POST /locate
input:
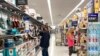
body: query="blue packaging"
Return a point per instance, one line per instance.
(9, 43)
(10, 52)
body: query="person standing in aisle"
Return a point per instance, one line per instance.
(70, 39)
(44, 42)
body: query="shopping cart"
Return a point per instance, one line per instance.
(58, 39)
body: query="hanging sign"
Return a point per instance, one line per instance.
(93, 17)
(21, 2)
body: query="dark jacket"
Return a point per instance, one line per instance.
(45, 37)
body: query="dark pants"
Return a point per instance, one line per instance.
(70, 50)
(45, 52)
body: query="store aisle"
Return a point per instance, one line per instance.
(56, 50)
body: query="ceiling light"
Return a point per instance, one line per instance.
(50, 11)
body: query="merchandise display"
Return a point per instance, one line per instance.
(93, 39)
(21, 27)
(86, 28)
(19, 32)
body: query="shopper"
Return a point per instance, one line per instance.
(70, 39)
(45, 37)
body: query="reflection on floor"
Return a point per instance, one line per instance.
(57, 50)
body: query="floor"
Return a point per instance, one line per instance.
(56, 50)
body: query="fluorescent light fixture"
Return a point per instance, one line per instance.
(81, 2)
(50, 11)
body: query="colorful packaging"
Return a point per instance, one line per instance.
(93, 39)
(85, 12)
(10, 52)
(27, 24)
(96, 5)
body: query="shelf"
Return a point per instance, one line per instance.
(20, 45)
(6, 36)
(31, 50)
(14, 8)
(15, 46)
(9, 5)
(9, 36)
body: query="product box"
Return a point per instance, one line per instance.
(85, 12)
(83, 25)
(19, 50)
(93, 40)
(1, 53)
(10, 52)
(24, 49)
(96, 5)
(90, 6)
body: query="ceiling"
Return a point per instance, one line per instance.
(60, 9)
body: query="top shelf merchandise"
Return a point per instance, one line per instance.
(11, 7)
(18, 31)
(90, 14)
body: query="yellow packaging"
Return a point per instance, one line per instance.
(96, 5)
(83, 25)
(85, 12)
(75, 18)
(99, 5)
(67, 21)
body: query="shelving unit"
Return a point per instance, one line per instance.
(86, 31)
(11, 7)
(28, 45)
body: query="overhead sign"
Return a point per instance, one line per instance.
(93, 17)
(21, 2)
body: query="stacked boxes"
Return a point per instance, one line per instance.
(93, 39)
